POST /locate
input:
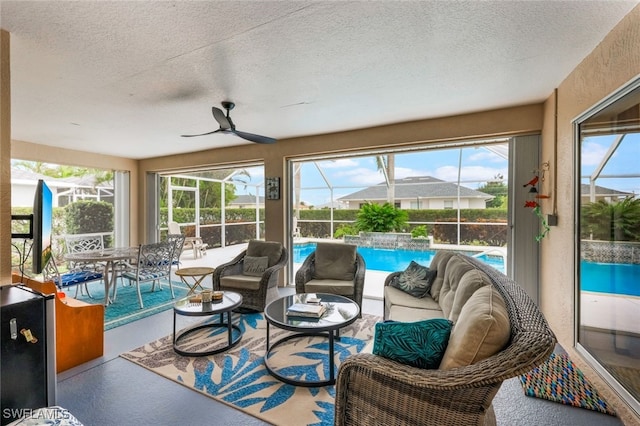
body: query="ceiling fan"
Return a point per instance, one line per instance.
(227, 126)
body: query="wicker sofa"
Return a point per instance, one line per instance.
(373, 390)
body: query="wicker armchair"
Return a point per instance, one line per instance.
(309, 279)
(373, 390)
(257, 290)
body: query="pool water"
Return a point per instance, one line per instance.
(392, 260)
(614, 278)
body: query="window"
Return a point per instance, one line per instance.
(448, 204)
(607, 264)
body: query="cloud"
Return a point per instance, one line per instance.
(471, 173)
(338, 164)
(592, 153)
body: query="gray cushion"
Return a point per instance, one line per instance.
(254, 266)
(343, 288)
(246, 282)
(335, 261)
(270, 249)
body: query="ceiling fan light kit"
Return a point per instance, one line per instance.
(227, 126)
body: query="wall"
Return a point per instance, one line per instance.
(503, 122)
(611, 65)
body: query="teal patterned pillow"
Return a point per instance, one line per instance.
(420, 344)
(416, 280)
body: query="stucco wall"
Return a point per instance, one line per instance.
(503, 122)
(613, 64)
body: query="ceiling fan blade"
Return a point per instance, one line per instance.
(202, 134)
(254, 138)
(221, 118)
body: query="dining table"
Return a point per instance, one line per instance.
(109, 259)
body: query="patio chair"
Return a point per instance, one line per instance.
(195, 244)
(178, 246)
(154, 264)
(334, 268)
(253, 273)
(79, 243)
(79, 277)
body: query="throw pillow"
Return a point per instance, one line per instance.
(254, 266)
(416, 280)
(420, 344)
(335, 261)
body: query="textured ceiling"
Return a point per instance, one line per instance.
(128, 78)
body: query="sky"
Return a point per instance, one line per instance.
(349, 174)
(623, 162)
(479, 165)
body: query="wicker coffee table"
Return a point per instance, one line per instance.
(340, 313)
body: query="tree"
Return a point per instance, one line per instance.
(617, 221)
(498, 189)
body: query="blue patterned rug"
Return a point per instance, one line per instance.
(126, 308)
(239, 378)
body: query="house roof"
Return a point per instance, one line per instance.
(417, 187)
(601, 191)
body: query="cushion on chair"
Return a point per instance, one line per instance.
(419, 344)
(439, 263)
(470, 282)
(246, 282)
(335, 261)
(270, 249)
(415, 280)
(455, 269)
(394, 296)
(343, 288)
(482, 330)
(73, 278)
(254, 266)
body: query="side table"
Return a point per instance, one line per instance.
(194, 276)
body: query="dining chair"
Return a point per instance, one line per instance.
(335, 268)
(153, 265)
(79, 243)
(178, 246)
(77, 277)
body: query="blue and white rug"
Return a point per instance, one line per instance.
(239, 378)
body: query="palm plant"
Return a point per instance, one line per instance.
(618, 221)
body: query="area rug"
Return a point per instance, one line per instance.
(239, 378)
(559, 380)
(126, 308)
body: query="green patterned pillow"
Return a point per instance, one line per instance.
(416, 280)
(420, 344)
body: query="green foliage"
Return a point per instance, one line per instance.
(618, 221)
(381, 218)
(419, 231)
(498, 190)
(84, 217)
(343, 230)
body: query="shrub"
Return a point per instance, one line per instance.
(381, 218)
(419, 231)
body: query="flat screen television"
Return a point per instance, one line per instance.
(42, 227)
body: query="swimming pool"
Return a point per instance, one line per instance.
(613, 278)
(392, 260)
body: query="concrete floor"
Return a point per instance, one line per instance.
(112, 391)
